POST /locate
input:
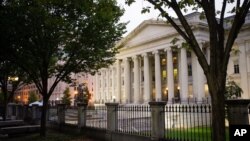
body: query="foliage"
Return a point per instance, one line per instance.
(1, 97)
(61, 37)
(83, 94)
(66, 99)
(32, 97)
(8, 77)
(233, 90)
(221, 40)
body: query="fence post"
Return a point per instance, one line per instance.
(34, 111)
(25, 112)
(19, 111)
(238, 111)
(112, 119)
(61, 113)
(158, 120)
(11, 111)
(82, 114)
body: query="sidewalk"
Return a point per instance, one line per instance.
(84, 139)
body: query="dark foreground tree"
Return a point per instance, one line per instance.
(11, 78)
(220, 42)
(55, 38)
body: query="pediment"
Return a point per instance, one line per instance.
(146, 31)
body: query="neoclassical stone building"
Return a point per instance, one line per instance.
(149, 68)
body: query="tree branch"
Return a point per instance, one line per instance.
(191, 40)
(223, 8)
(170, 20)
(239, 20)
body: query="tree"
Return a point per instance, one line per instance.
(233, 90)
(83, 94)
(221, 41)
(32, 97)
(66, 99)
(10, 75)
(59, 37)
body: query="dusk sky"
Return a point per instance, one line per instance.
(134, 16)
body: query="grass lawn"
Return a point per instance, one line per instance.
(192, 134)
(52, 135)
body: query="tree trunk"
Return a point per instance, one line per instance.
(5, 102)
(218, 115)
(4, 109)
(43, 117)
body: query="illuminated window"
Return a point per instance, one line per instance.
(175, 72)
(163, 62)
(164, 73)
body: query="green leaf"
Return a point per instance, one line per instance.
(174, 40)
(129, 2)
(145, 10)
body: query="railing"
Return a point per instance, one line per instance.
(71, 115)
(97, 117)
(175, 122)
(188, 122)
(52, 114)
(134, 119)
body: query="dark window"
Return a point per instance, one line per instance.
(189, 70)
(236, 68)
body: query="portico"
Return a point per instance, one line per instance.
(150, 67)
(158, 75)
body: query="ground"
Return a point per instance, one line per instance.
(51, 136)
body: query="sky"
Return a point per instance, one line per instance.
(134, 17)
(133, 14)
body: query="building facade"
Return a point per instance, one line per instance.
(22, 94)
(149, 67)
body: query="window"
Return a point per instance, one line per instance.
(236, 67)
(189, 70)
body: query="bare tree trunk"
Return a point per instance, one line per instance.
(5, 102)
(43, 117)
(218, 117)
(5, 109)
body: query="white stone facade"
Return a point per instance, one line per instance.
(149, 69)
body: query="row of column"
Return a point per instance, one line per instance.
(116, 89)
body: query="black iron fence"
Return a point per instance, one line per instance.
(52, 114)
(71, 115)
(134, 119)
(97, 117)
(188, 122)
(182, 122)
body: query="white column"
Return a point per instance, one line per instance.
(102, 94)
(184, 76)
(194, 76)
(200, 82)
(127, 80)
(170, 75)
(97, 98)
(158, 91)
(107, 97)
(136, 80)
(118, 81)
(147, 82)
(113, 84)
(243, 71)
